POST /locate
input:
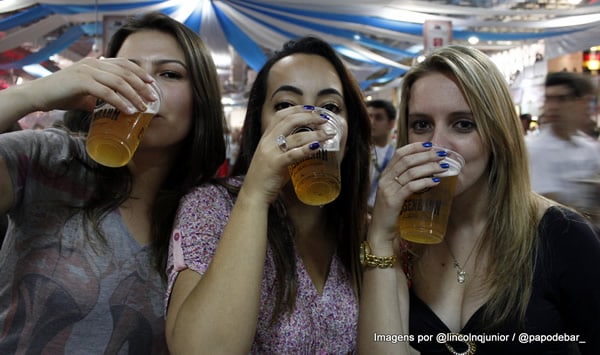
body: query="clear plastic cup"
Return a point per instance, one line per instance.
(317, 180)
(114, 136)
(424, 215)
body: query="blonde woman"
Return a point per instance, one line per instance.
(511, 263)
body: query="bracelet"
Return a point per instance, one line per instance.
(369, 260)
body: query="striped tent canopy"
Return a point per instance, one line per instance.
(378, 39)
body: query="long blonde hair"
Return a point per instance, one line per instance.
(510, 232)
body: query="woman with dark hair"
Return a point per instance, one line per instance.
(252, 268)
(83, 261)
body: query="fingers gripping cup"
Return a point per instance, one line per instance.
(424, 215)
(316, 179)
(114, 136)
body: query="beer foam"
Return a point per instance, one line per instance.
(456, 163)
(333, 125)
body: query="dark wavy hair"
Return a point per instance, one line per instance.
(347, 214)
(201, 152)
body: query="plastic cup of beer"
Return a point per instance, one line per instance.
(316, 179)
(424, 215)
(114, 136)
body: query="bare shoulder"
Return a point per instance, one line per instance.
(543, 204)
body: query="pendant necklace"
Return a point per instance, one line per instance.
(460, 272)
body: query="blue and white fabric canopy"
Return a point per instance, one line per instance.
(377, 39)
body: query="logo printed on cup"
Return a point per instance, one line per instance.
(416, 205)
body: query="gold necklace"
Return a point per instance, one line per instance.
(460, 272)
(471, 348)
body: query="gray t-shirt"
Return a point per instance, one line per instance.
(59, 292)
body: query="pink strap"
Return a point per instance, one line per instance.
(178, 261)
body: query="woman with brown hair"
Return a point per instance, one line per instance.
(251, 267)
(83, 260)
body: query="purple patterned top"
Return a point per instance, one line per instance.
(320, 324)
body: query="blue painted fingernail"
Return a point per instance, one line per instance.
(442, 153)
(435, 179)
(427, 144)
(324, 116)
(314, 145)
(309, 107)
(444, 165)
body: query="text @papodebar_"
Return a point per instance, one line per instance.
(523, 338)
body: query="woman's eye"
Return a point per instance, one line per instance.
(171, 75)
(332, 107)
(465, 125)
(282, 105)
(420, 125)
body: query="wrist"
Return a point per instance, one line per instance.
(16, 103)
(371, 259)
(381, 247)
(252, 200)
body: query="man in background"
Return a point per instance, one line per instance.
(564, 161)
(383, 118)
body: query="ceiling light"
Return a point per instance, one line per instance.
(473, 40)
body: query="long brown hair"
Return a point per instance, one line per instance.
(202, 151)
(347, 214)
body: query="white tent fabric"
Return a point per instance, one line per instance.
(378, 39)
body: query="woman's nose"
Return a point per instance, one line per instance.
(440, 139)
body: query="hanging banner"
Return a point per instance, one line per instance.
(436, 34)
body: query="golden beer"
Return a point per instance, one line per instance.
(425, 214)
(114, 136)
(316, 179)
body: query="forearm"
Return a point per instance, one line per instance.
(383, 307)
(383, 312)
(15, 103)
(221, 312)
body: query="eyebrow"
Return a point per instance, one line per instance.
(295, 90)
(418, 115)
(162, 61)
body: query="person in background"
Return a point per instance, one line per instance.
(83, 260)
(382, 114)
(234, 145)
(251, 268)
(563, 160)
(525, 122)
(512, 262)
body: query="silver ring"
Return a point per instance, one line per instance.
(282, 143)
(397, 179)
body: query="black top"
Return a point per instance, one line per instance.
(564, 305)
